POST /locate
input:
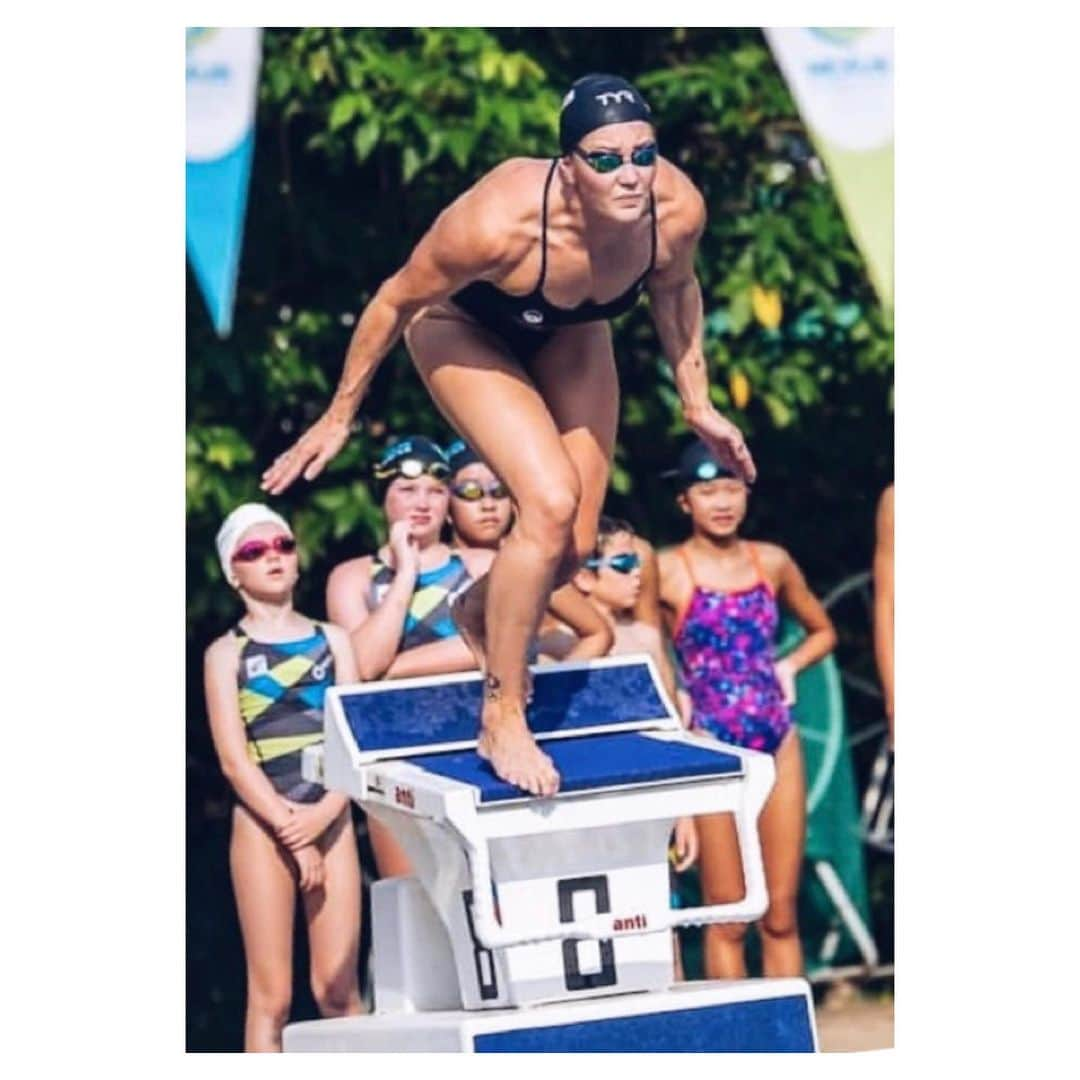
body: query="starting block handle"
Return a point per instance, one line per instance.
(492, 935)
(754, 904)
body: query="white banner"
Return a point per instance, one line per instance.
(842, 80)
(222, 71)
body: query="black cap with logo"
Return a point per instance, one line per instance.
(411, 457)
(697, 464)
(595, 101)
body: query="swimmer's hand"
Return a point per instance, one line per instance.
(724, 439)
(305, 824)
(309, 866)
(404, 547)
(785, 676)
(310, 453)
(685, 847)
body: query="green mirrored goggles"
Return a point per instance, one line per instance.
(605, 161)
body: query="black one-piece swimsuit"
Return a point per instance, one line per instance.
(527, 323)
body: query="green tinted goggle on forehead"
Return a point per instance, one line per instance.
(701, 473)
(709, 470)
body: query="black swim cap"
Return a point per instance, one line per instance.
(459, 454)
(596, 100)
(410, 457)
(697, 464)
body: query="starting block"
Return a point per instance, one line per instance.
(561, 905)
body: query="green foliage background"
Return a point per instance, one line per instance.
(362, 137)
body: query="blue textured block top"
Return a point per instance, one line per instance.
(591, 761)
(393, 717)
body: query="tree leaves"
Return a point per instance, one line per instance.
(364, 135)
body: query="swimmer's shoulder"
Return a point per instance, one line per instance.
(673, 571)
(477, 560)
(680, 207)
(347, 587)
(680, 221)
(515, 179)
(668, 556)
(350, 574)
(774, 559)
(223, 653)
(500, 213)
(337, 636)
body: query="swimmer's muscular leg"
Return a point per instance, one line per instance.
(576, 376)
(577, 379)
(489, 399)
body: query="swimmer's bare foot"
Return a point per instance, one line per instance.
(506, 742)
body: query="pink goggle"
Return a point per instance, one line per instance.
(254, 550)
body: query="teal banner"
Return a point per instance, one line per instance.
(222, 73)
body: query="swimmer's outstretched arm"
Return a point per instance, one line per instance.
(675, 299)
(440, 657)
(466, 243)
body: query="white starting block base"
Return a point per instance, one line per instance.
(560, 906)
(745, 1015)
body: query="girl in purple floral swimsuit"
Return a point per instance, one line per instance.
(721, 595)
(724, 641)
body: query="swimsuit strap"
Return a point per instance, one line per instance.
(543, 227)
(655, 230)
(317, 631)
(680, 617)
(681, 549)
(756, 560)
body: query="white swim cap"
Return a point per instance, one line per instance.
(238, 523)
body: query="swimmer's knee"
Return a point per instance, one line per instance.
(335, 994)
(584, 540)
(781, 920)
(547, 517)
(581, 545)
(270, 1000)
(731, 933)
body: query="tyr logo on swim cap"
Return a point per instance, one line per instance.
(595, 101)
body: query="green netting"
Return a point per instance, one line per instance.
(832, 832)
(832, 827)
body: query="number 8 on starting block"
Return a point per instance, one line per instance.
(518, 900)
